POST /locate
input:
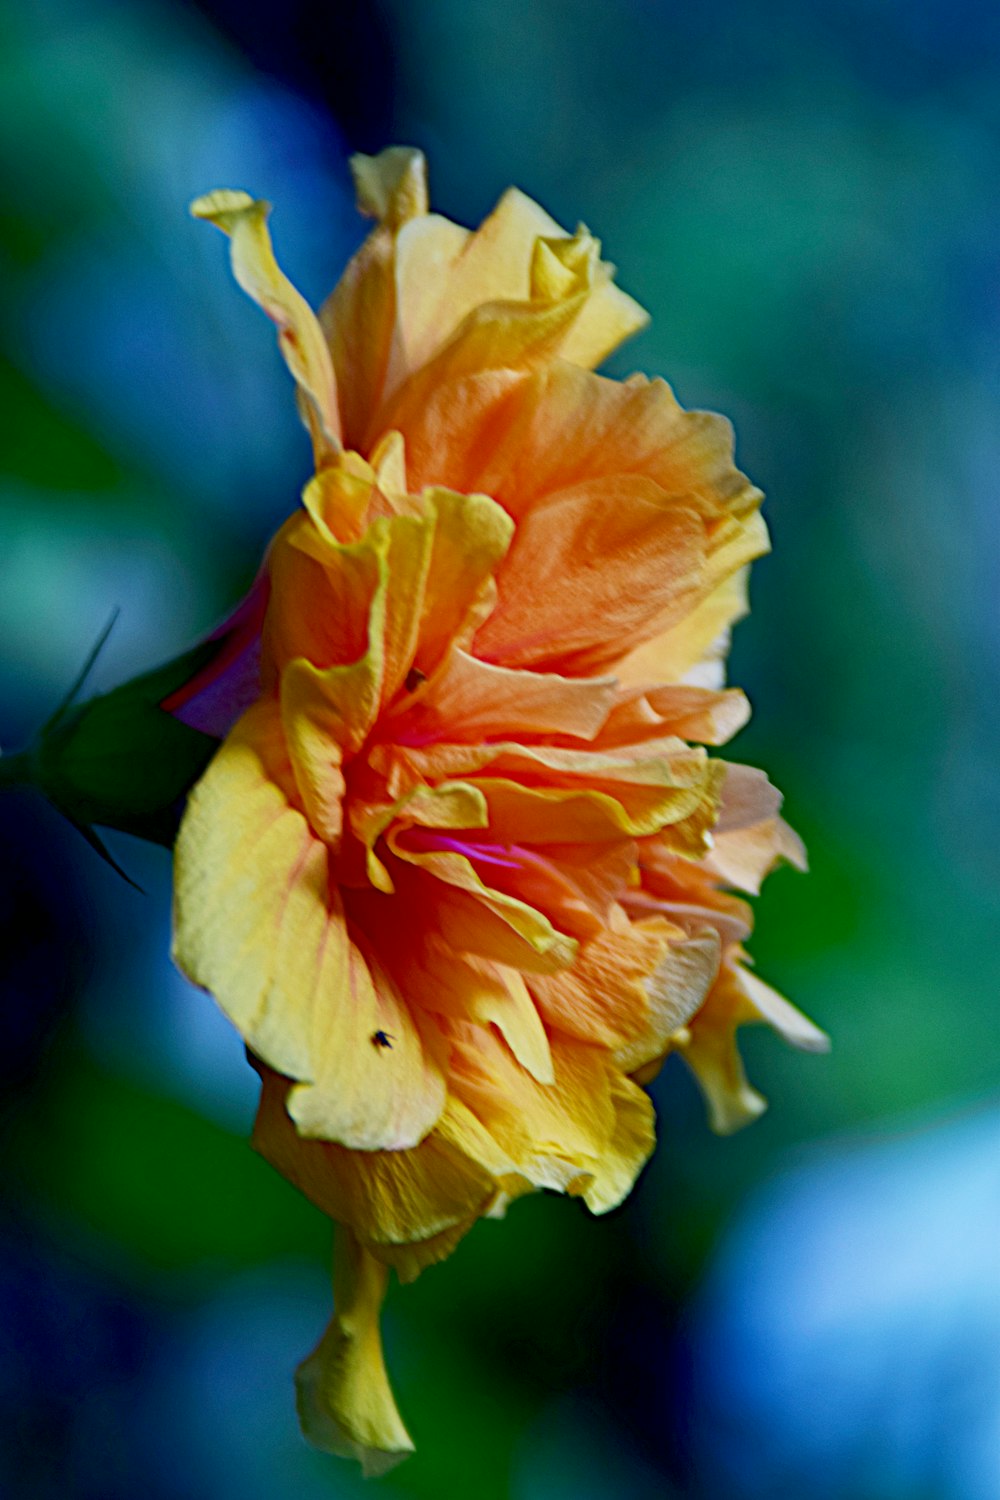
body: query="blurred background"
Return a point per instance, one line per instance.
(806, 200)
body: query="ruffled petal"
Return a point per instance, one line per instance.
(567, 426)
(471, 537)
(690, 713)
(477, 918)
(322, 597)
(517, 287)
(750, 838)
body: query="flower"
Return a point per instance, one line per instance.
(459, 871)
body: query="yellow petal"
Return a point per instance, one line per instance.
(330, 710)
(345, 1403)
(444, 275)
(474, 989)
(311, 734)
(300, 337)
(711, 1052)
(363, 1093)
(391, 186)
(322, 597)
(471, 536)
(260, 924)
(361, 604)
(737, 998)
(389, 463)
(241, 847)
(555, 1133)
(540, 793)
(787, 1021)
(393, 1201)
(425, 253)
(566, 263)
(339, 500)
(358, 320)
(337, 705)
(626, 1153)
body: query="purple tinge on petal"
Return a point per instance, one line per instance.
(504, 855)
(217, 695)
(507, 856)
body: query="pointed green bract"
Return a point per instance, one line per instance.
(120, 760)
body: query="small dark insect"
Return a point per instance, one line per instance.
(382, 1039)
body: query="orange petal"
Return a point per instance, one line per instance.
(745, 856)
(630, 989)
(568, 426)
(694, 649)
(477, 918)
(468, 699)
(690, 713)
(594, 570)
(540, 793)
(748, 797)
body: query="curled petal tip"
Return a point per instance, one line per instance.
(220, 203)
(392, 186)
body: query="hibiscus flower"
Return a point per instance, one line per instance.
(460, 869)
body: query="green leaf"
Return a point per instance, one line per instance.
(150, 1175)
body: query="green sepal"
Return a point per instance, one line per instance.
(120, 761)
